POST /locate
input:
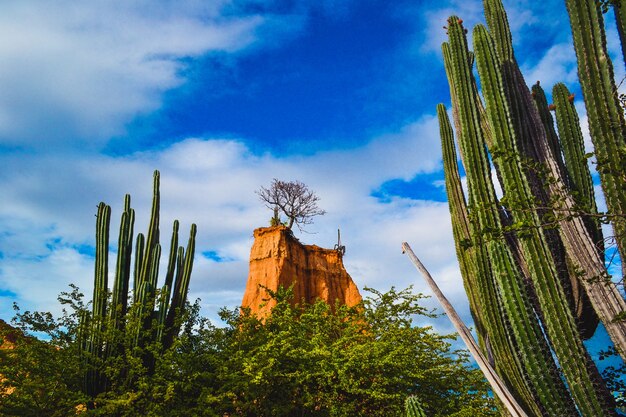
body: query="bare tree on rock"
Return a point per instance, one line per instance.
(292, 198)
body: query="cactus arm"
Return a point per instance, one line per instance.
(139, 253)
(460, 220)
(478, 280)
(167, 286)
(102, 263)
(181, 288)
(413, 407)
(541, 103)
(606, 119)
(96, 343)
(152, 238)
(572, 141)
(119, 300)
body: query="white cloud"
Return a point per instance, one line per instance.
(557, 65)
(435, 20)
(212, 183)
(77, 70)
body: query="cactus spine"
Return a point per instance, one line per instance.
(102, 330)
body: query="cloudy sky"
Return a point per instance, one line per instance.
(221, 97)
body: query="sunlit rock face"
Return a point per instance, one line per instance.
(277, 259)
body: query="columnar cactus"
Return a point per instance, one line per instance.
(100, 330)
(538, 365)
(606, 117)
(119, 297)
(503, 101)
(95, 348)
(573, 146)
(580, 247)
(525, 151)
(485, 302)
(413, 407)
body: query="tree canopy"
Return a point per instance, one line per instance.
(300, 360)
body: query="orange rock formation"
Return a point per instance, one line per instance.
(278, 259)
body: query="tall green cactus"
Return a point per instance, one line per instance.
(413, 407)
(528, 338)
(525, 151)
(100, 330)
(181, 288)
(580, 247)
(606, 117)
(485, 302)
(95, 344)
(503, 102)
(573, 146)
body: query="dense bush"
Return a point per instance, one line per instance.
(302, 360)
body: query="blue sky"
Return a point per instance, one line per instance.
(221, 97)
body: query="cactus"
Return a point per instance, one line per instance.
(413, 407)
(526, 153)
(504, 98)
(533, 145)
(541, 102)
(606, 117)
(100, 331)
(538, 365)
(572, 143)
(167, 286)
(93, 327)
(181, 287)
(119, 298)
(485, 303)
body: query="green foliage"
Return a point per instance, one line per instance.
(114, 345)
(301, 360)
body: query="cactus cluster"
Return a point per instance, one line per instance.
(101, 330)
(533, 269)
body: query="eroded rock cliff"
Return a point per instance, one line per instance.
(277, 259)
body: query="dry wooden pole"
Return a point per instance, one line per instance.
(498, 386)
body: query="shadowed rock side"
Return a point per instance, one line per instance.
(277, 259)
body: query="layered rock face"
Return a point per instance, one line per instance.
(278, 259)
